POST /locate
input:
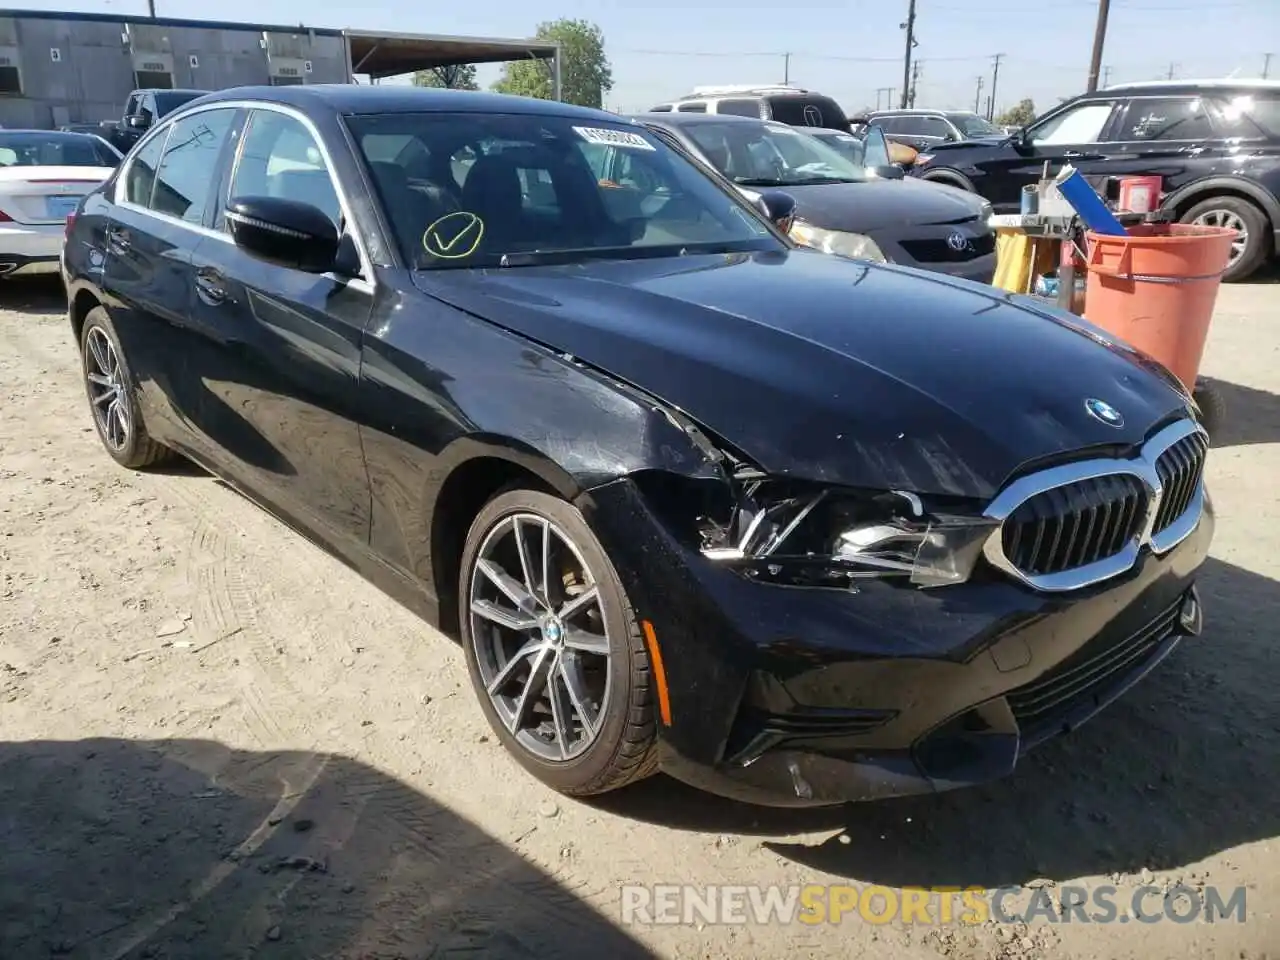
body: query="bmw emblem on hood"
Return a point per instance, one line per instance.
(1101, 410)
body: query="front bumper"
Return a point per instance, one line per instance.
(30, 248)
(794, 696)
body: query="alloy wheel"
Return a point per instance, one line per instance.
(539, 635)
(107, 390)
(1232, 221)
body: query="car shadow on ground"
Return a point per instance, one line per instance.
(1252, 416)
(187, 849)
(41, 295)
(1147, 783)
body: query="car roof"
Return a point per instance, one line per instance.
(353, 99)
(922, 112)
(78, 134)
(676, 119)
(171, 90)
(1191, 86)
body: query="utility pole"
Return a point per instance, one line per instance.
(910, 26)
(915, 79)
(977, 97)
(786, 69)
(1099, 38)
(1106, 76)
(151, 8)
(995, 76)
(888, 100)
(1172, 67)
(1266, 65)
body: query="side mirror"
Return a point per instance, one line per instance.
(286, 233)
(137, 121)
(779, 207)
(889, 171)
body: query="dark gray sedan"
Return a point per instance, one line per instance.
(842, 206)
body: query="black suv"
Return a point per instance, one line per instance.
(923, 129)
(1215, 143)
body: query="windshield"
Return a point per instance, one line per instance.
(972, 125)
(480, 189)
(34, 149)
(846, 144)
(771, 155)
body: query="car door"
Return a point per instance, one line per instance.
(1079, 134)
(279, 348)
(156, 222)
(1173, 137)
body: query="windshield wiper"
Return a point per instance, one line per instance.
(758, 182)
(811, 181)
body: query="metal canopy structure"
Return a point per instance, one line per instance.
(380, 54)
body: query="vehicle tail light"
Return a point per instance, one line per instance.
(5, 218)
(71, 222)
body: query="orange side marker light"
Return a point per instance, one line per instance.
(659, 672)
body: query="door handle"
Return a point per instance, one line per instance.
(211, 285)
(118, 239)
(1073, 154)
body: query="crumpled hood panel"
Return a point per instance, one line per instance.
(833, 370)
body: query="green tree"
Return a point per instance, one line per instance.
(457, 76)
(1018, 116)
(585, 74)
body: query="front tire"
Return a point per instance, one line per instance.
(112, 394)
(1253, 244)
(553, 647)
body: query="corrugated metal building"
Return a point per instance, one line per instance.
(62, 68)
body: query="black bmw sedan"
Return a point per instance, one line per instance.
(790, 527)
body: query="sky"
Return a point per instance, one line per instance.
(847, 49)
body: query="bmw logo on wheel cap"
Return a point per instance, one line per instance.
(1101, 410)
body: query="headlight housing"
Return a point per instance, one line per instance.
(832, 538)
(987, 210)
(857, 246)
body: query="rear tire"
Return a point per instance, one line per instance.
(1235, 212)
(112, 394)
(564, 682)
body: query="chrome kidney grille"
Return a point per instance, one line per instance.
(1078, 524)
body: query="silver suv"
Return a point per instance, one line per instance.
(783, 104)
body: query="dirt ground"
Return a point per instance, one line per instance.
(220, 742)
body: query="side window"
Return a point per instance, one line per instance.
(933, 127)
(1177, 118)
(280, 158)
(887, 124)
(1251, 115)
(661, 108)
(141, 178)
(1083, 123)
(189, 168)
(131, 107)
(147, 107)
(696, 107)
(739, 108)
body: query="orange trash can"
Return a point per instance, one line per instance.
(1155, 289)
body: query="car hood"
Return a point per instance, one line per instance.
(876, 204)
(833, 370)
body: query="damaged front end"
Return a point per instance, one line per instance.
(800, 533)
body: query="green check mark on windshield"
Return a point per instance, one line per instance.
(441, 247)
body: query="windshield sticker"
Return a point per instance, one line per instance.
(454, 236)
(613, 138)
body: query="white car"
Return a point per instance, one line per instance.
(43, 176)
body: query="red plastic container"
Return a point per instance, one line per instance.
(1140, 194)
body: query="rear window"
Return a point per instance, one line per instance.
(33, 149)
(808, 112)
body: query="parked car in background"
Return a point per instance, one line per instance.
(1214, 143)
(43, 175)
(792, 527)
(141, 110)
(840, 208)
(922, 129)
(790, 105)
